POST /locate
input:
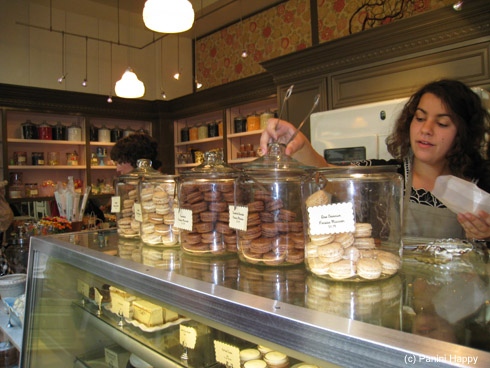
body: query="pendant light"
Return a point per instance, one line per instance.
(129, 86)
(162, 91)
(168, 16)
(458, 6)
(109, 99)
(85, 81)
(177, 75)
(244, 51)
(63, 75)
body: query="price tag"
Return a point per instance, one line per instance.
(116, 204)
(228, 355)
(83, 288)
(97, 297)
(183, 219)
(138, 213)
(331, 219)
(238, 217)
(188, 336)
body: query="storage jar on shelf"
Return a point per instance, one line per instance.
(264, 118)
(45, 131)
(193, 134)
(116, 134)
(271, 191)
(206, 192)
(29, 130)
(60, 132)
(104, 135)
(74, 133)
(354, 219)
(253, 122)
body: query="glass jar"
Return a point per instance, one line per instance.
(206, 191)
(157, 198)
(104, 135)
(354, 223)
(253, 122)
(184, 134)
(60, 132)
(45, 131)
(193, 134)
(126, 190)
(218, 271)
(47, 188)
(53, 158)
(213, 130)
(128, 131)
(16, 186)
(29, 130)
(264, 118)
(31, 190)
(202, 131)
(164, 258)
(271, 190)
(240, 124)
(20, 158)
(38, 158)
(74, 133)
(72, 158)
(94, 133)
(116, 134)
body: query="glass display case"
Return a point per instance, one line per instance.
(87, 304)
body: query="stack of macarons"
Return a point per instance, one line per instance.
(157, 203)
(127, 226)
(347, 256)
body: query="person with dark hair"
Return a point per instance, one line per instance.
(128, 150)
(441, 131)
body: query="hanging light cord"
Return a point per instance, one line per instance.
(63, 53)
(86, 57)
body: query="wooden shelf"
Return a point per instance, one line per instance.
(187, 165)
(47, 167)
(42, 141)
(245, 134)
(103, 167)
(213, 139)
(102, 143)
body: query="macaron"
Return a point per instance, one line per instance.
(346, 239)
(342, 270)
(363, 230)
(151, 239)
(255, 363)
(147, 194)
(249, 354)
(124, 223)
(132, 194)
(148, 206)
(162, 229)
(364, 243)
(330, 253)
(128, 203)
(369, 268)
(263, 349)
(147, 228)
(390, 263)
(275, 359)
(318, 267)
(162, 209)
(352, 254)
(319, 198)
(322, 238)
(160, 197)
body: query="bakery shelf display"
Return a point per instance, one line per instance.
(243, 306)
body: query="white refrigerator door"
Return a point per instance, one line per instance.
(356, 126)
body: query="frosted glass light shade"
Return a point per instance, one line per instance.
(129, 86)
(168, 16)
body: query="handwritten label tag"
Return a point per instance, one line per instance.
(116, 204)
(97, 297)
(138, 213)
(228, 355)
(331, 219)
(188, 336)
(83, 288)
(183, 219)
(238, 217)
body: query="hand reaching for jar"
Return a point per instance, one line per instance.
(475, 226)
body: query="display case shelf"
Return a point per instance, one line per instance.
(199, 141)
(47, 167)
(46, 142)
(108, 144)
(246, 134)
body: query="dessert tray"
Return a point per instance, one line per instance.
(144, 327)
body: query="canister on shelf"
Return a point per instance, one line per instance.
(253, 122)
(45, 131)
(31, 190)
(213, 129)
(38, 158)
(193, 136)
(104, 135)
(116, 134)
(184, 134)
(94, 133)
(53, 158)
(72, 158)
(74, 133)
(20, 158)
(240, 124)
(128, 131)
(202, 131)
(29, 130)
(16, 186)
(59, 132)
(264, 118)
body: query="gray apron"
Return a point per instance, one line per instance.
(422, 221)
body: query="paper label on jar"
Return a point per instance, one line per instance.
(116, 204)
(188, 336)
(238, 217)
(331, 219)
(183, 219)
(83, 288)
(228, 355)
(138, 213)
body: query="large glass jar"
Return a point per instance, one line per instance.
(157, 196)
(126, 194)
(218, 271)
(207, 190)
(353, 217)
(271, 190)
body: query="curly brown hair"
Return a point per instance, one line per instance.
(134, 147)
(468, 157)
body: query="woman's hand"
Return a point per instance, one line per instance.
(300, 147)
(475, 226)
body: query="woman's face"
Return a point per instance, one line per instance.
(123, 168)
(432, 131)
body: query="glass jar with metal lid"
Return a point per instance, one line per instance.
(126, 196)
(29, 130)
(271, 192)
(353, 222)
(205, 193)
(157, 193)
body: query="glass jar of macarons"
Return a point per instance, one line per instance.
(353, 217)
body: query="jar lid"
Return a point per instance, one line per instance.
(143, 169)
(44, 124)
(103, 128)
(362, 170)
(276, 161)
(212, 166)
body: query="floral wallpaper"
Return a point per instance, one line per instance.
(286, 28)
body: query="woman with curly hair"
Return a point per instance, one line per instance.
(441, 131)
(128, 150)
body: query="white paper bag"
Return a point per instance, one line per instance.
(461, 196)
